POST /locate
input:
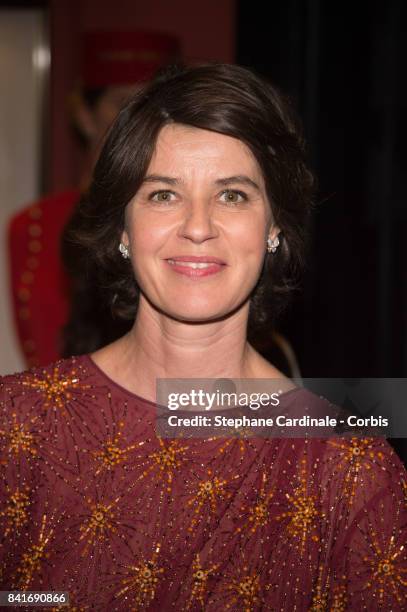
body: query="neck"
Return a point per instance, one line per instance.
(160, 347)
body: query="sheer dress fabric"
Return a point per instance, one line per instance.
(94, 503)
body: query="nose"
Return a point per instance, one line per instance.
(197, 224)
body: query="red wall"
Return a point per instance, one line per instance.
(206, 29)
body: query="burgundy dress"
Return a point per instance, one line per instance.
(94, 503)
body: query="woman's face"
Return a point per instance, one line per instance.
(203, 198)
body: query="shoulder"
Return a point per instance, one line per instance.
(40, 386)
(367, 503)
(361, 475)
(346, 467)
(373, 458)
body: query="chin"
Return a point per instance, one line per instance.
(194, 310)
(195, 315)
(200, 313)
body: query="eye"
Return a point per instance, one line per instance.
(232, 196)
(163, 196)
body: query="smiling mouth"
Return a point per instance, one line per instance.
(195, 269)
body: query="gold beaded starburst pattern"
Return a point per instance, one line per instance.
(93, 502)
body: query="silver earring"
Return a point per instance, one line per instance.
(272, 244)
(124, 250)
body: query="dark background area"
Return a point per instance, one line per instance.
(343, 65)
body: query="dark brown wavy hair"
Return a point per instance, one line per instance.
(224, 98)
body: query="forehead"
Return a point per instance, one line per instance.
(183, 147)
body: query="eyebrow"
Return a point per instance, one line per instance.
(224, 182)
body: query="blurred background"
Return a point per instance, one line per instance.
(341, 63)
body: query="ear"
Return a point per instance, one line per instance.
(273, 231)
(125, 238)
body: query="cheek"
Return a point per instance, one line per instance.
(147, 239)
(249, 237)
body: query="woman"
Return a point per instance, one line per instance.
(197, 216)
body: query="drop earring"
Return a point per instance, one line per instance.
(124, 250)
(272, 244)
